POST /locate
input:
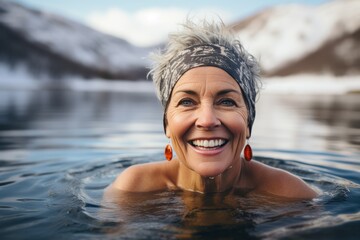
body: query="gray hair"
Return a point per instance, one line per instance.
(205, 44)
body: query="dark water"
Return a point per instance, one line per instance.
(59, 149)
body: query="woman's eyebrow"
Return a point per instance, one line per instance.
(190, 92)
(226, 91)
(220, 93)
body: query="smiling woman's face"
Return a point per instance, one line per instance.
(207, 120)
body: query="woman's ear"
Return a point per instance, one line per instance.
(166, 126)
(167, 131)
(248, 133)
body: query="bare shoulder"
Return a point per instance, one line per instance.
(145, 177)
(278, 182)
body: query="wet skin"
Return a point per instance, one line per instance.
(207, 121)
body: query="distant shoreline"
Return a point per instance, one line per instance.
(294, 84)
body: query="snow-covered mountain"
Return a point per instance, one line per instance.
(44, 42)
(291, 39)
(287, 39)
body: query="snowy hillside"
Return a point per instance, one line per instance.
(287, 39)
(284, 35)
(93, 52)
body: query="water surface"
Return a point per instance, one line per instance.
(59, 149)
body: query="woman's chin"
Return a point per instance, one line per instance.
(210, 169)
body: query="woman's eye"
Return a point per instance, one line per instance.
(227, 102)
(186, 102)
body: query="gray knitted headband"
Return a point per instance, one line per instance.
(229, 60)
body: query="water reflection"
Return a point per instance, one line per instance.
(325, 127)
(342, 115)
(187, 215)
(329, 123)
(60, 149)
(57, 115)
(71, 109)
(326, 122)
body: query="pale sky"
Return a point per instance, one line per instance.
(148, 22)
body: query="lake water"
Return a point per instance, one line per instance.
(60, 149)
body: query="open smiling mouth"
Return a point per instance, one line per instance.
(208, 144)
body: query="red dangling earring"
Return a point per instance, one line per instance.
(248, 152)
(168, 152)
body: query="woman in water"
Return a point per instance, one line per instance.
(207, 84)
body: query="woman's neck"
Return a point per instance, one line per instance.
(192, 181)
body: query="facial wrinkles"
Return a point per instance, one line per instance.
(206, 94)
(207, 100)
(210, 95)
(205, 88)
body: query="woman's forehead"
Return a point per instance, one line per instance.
(206, 76)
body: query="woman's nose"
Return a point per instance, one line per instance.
(207, 117)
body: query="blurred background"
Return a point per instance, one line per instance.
(56, 44)
(76, 109)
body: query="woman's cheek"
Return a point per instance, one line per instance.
(178, 122)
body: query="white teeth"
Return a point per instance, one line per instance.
(208, 143)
